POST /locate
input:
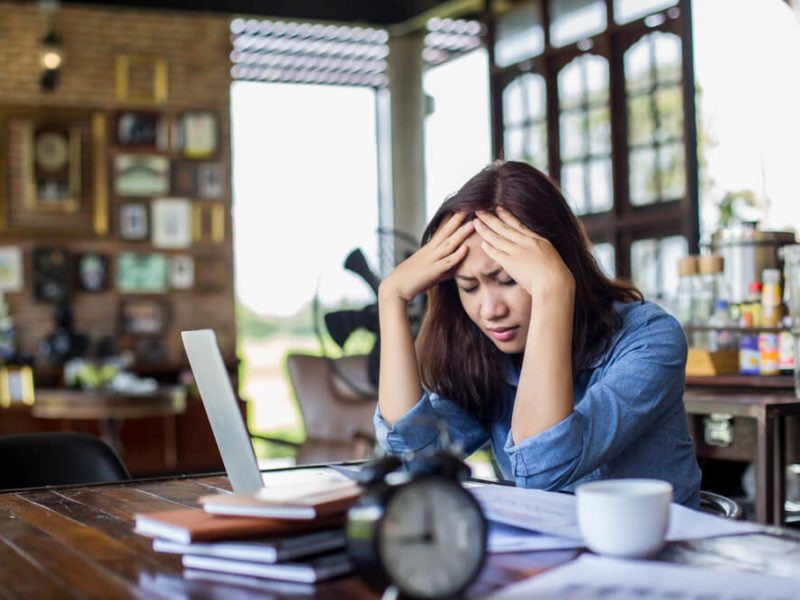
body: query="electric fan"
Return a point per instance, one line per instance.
(342, 323)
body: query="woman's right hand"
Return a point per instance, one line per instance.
(432, 263)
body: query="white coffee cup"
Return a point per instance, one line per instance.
(624, 517)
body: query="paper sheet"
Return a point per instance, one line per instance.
(505, 538)
(593, 577)
(554, 514)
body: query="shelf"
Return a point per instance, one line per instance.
(736, 328)
(748, 381)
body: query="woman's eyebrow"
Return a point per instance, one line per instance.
(489, 275)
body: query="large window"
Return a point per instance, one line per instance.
(595, 94)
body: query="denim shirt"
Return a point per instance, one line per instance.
(629, 418)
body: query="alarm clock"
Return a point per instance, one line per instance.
(417, 529)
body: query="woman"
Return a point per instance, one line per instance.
(572, 376)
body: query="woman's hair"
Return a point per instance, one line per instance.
(456, 358)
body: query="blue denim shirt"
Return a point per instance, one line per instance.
(629, 418)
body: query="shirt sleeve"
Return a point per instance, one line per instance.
(642, 382)
(417, 429)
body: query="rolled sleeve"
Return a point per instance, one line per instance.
(417, 429)
(639, 385)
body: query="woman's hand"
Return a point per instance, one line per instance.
(432, 263)
(527, 257)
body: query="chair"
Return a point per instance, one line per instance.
(59, 458)
(337, 402)
(720, 505)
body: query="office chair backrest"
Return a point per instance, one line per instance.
(337, 403)
(60, 458)
(720, 505)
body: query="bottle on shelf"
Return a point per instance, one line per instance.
(687, 294)
(723, 336)
(750, 317)
(770, 317)
(712, 286)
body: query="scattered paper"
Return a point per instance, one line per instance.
(505, 538)
(554, 513)
(591, 576)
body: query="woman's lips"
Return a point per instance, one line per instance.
(503, 334)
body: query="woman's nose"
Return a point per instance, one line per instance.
(493, 306)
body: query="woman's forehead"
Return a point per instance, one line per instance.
(477, 262)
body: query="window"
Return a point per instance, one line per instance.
(525, 120)
(604, 102)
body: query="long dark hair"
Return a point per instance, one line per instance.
(456, 358)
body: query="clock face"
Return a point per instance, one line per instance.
(432, 539)
(51, 151)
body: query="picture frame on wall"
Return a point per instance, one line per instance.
(208, 222)
(141, 175)
(16, 385)
(12, 273)
(142, 78)
(199, 134)
(143, 317)
(53, 167)
(140, 129)
(93, 273)
(57, 180)
(133, 221)
(172, 223)
(210, 180)
(141, 273)
(181, 272)
(184, 178)
(51, 275)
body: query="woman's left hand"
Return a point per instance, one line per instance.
(531, 260)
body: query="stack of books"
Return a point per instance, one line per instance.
(291, 533)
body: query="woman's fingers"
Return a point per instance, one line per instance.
(447, 227)
(512, 221)
(503, 229)
(501, 242)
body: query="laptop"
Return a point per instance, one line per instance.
(230, 431)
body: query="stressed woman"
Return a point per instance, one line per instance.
(525, 342)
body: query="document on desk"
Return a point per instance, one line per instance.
(598, 577)
(554, 514)
(505, 538)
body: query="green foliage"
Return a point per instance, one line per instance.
(731, 202)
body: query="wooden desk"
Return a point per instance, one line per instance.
(110, 409)
(769, 408)
(79, 542)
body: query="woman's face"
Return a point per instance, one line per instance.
(494, 301)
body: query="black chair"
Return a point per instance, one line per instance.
(61, 458)
(720, 505)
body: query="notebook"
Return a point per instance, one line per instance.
(230, 431)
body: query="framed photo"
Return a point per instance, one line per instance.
(55, 177)
(141, 175)
(172, 223)
(141, 273)
(181, 272)
(210, 180)
(199, 134)
(143, 317)
(142, 78)
(92, 272)
(208, 222)
(133, 222)
(11, 269)
(140, 129)
(51, 275)
(16, 385)
(184, 178)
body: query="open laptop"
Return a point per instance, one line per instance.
(230, 431)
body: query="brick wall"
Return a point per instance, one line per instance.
(196, 48)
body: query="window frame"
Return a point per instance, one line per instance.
(623, 223)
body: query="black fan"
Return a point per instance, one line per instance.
(342, 323)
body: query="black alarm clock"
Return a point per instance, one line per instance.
(417, 529)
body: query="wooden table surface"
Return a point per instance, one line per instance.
(78, 542)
